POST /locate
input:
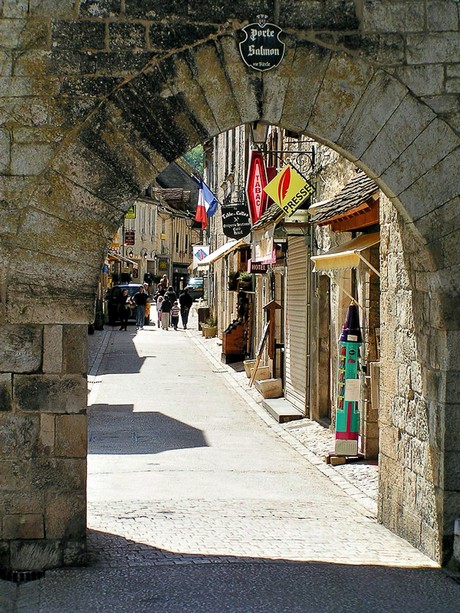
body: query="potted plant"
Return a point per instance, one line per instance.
(245, 281)
(209, 328)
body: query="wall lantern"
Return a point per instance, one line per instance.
(259, 134)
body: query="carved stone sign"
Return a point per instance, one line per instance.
(236, 221)
(262, 49)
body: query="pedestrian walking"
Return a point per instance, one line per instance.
(171, 294)
(124, 309)
(164, 282)
(140, 300)
(160, 299)
(147, 305)
(185, 302)
(165, 310)
(175, 311)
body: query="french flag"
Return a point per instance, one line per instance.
(207, 204)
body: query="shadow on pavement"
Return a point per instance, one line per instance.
(117, 429)
(125, 576)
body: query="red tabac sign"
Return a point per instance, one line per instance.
(256, 181)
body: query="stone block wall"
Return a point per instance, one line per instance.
(412, 420)
(97, 97)
(43, 442)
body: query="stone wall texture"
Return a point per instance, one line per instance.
(97, 97)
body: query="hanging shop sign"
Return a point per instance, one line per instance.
(256, 181)
(262, 48)
(130, 237)
(263, 248)
(199, 253)
(257, 267)
(236, 221)
(131, 212)
(163, 264)
(289, 190)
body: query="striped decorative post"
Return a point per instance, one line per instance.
(347, 414)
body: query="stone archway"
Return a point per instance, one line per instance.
(94, 117)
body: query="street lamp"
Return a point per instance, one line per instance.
(259, 134)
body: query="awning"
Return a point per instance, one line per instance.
(347, 255)
(120, 258)
(221, 251)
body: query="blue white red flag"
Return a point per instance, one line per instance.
(207, 204)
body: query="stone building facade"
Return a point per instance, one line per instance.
(97, 98)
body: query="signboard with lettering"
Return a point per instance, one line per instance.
(289, 190)
(256, 181)
(257, 267)
(236, 221)
(131, 212)
(262, 48)
(130, 237)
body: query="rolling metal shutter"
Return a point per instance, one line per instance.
(296, 322)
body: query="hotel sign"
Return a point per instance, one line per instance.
(262, 49)
(289, 190)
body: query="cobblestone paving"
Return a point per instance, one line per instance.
(213, 530)
(217, 531)
(179, 523)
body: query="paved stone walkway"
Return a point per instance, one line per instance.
(200, 501)
(311, 439)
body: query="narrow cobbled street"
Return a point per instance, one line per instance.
(198, 504)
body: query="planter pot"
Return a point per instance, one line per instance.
(263, 372)
(248, 364)
(270, 388)
(209, 331)
(244, 286)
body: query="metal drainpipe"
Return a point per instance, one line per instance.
(308, 243)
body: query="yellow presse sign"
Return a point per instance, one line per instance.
(289, 190)
(131, 212)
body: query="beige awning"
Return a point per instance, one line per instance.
(347, 255)
(121, 258)
(221, 251)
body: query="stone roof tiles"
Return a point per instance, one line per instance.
(356, 192)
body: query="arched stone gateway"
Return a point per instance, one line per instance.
(98, 97)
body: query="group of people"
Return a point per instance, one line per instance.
(139, 302)
(169, 306)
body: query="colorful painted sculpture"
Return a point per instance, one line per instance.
(347, 414)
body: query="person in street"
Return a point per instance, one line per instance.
(175, 311)
(140, 300)
(164, 282)
(185, 302)
(147, 304)
(165, 311)
(124, 309)
(160, 289)
(171, 294)
(159, 302)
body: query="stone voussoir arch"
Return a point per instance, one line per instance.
(117, 132)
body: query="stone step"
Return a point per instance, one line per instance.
(281, 409)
